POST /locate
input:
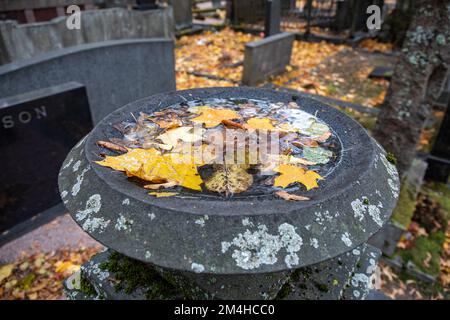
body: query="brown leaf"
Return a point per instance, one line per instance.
(290, 197)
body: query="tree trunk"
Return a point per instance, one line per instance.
(418, 78)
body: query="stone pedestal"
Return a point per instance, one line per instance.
(110, 275)
(247, 247)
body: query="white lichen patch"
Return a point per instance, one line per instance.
(247, 223)
(346, 239)
(360, 209)
(394, 188)
(77, 186)
(197, 267)
(95, 224)
(360, 278)
(313, 242)
(257, 248)
(356, 294)
(123, 223)
(147, 255)
(64, 193)
(93, 205)
(201, 221)
(356, 252)
(68, 164)
(126, 202)
(76, 166)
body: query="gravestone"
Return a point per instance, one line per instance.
(37, 129)
(267, 57)
(114, 72)
(439, 158)
(247, 247)
(182, 13)
(273, 17)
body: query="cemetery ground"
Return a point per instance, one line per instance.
(215, 59)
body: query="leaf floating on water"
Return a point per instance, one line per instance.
(150, 165)
(317, 155)
(230, 180)
(186, 134)
(213, 117)
(157, 186)
(291, 174)
(290, 197)
(260, 123)
(163, 194)
(169, 120)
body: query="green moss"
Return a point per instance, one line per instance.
(86, 287)
(440, 193)
(295, 98)
(421, 249)
(321, 287)
(132, 274)
(406, 205)
(391, 158)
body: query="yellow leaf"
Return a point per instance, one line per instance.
(213, 117)
(260, 123)
(6, 271)
(291, 174)
(163, 194)
(150, 165)
(66, 266)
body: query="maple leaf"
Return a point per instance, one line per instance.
(150, 165)
(291, 174)
(260, 123)
(212, 117)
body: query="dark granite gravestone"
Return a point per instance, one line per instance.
(267, 57)
(37, 129)
(249, 247)
(273, 17)
(114, 72)
(182, 13)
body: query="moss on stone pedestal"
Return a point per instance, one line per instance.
(132, 274)
(406, 205)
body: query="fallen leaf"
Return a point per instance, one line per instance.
(163, 194)
(157, 186)
(6, 271)
(186, 134)
(317, 155)
(229, 180)
(62, 267)
(290, 197)
(212, 117)
(259, 123)
(291, 174)
(150, 165)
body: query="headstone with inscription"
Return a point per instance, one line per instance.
(37, 129)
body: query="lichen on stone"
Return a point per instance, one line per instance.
(123, 223)
(346, 239)
(197, 267)
(257, 248)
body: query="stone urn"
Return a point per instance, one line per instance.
(247, 247)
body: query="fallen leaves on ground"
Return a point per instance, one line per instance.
(40, 275)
